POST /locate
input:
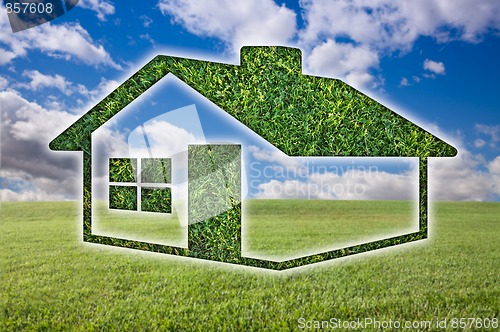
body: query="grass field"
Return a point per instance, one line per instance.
(276, 229)
(285, 229)
(151, 227)
(51, 280)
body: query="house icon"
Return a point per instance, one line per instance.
(300, 115)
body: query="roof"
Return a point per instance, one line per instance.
(301, 115)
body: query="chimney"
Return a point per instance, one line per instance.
(271, 58)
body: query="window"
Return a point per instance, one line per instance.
(148, 192)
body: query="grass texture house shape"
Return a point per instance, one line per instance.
(299, 114)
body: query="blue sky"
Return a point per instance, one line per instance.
(431, 61)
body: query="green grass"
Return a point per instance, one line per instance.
(285, 229)
(51, 280)
(151, 227)
(276, 229)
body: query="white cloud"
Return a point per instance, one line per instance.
(159, 132)
(434, 66)
(6, 56)
(494, 166)
(344, 38)
(304, 178)
(78, 104)
(102, 8)
(466, 177)
(404, 82)
(354, 184)
(492, 131)
(7, 195)
(380, 27)
(332, 19)
(3, 83)
(108, 141)
(273, 156)
(395, 25)
(450, 179)
(66, 41)
(29, 121)
(148, 38)
(54, 103)
(146, 21)
(479, 143)
(472, 20)
(237, 23)
(26, 130)
(18, 186)
(281, 163)
(461, 179)
(370, 185)
(359, 79)
(341, 58)
(104, 87)
(288, 189)
(39, 81)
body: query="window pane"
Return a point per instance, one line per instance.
(122, 169)
(156, 170)
(156, 200)
(123, 198)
